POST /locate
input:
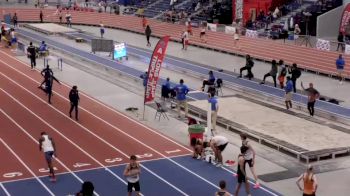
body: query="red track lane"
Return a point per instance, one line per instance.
(115, 119)
(9, 164)
(70, 129)
(22, 145)
(66, 152)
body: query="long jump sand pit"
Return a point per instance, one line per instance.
(291, 129)
(50, 28)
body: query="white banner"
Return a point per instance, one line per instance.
(323, 45)
(211, 27)
(239, 9)
(251, 34)
(347, 49)
(230, 30)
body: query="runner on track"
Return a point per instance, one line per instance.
(74, 100)
(132, 173)
(249, 157)
(47, 72)
(47, 145)
(241, 174)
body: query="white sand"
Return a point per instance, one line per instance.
(53, 28)
(294, 130)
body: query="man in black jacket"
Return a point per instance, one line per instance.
(248, 66)
(296, 73)
(74, 100)
(148, 33)
(31, 55)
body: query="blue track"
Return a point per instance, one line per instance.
(107, 184)
(268, 90)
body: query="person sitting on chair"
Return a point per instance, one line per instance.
(210, 81)
(43, 50)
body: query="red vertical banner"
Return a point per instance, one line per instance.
(154, 68)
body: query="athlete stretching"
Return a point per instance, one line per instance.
(47, 145)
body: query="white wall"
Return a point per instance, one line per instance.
(328, 23)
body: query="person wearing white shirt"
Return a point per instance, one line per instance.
(218, 144)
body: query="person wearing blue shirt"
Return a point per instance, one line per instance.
(181, 92)
(340, 63)
(42, 47)
(288, 89)
(214, 105)
(144, 76)
(210, 80)
(166, 89)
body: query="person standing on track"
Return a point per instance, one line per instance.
(282, 74)
(74, 100)
(313, 94)
(132, 173)
(218, 144)
(249, 157)
(310, 182)
(47, 145)
(202, 35)
(272, 73)
(181, 92)
(47, 72)
(31, 53)
(248, 66)
(340, 63)
(41, 16)
(288, 96)
(15, 20)
(296, 73)
(214, 106)
(241, 174)
(148, 33)
(102, 29)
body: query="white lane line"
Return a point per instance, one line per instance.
(26, 166)
(4, 189)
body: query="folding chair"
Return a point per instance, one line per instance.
(160, 112)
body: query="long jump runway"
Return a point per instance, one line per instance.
(95, 148)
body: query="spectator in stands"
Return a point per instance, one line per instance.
(15, 20)
(148, 33)
(181, 92)
(87, 189)
(248, 66)
(210, 81)
(288, 90)
(341, 41)
(340, 63)
(41, 16)
(272, 73)
(276, 13)
(102, 29)
(31, 53)
(313, 94)
(296, 73)
(222, 191)
(282, 73)
(144, 76)
(310, 182)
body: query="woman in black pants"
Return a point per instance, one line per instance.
(148, 33)
(272, 73)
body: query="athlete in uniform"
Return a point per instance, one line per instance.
(249, 157)
(132, 174)
(47, 72)
(241, 174)
(47, 145)
(222, 191)
(218, 144)
(197, 145)
(310, 182)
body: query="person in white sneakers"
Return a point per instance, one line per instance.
(218, 144)
(47, 145)
(249, 157)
